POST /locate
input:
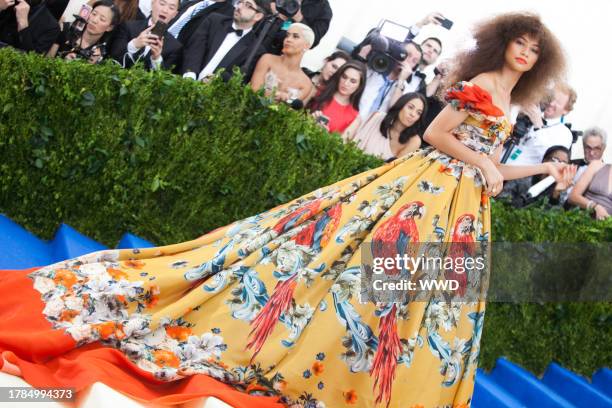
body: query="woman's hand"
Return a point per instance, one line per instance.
(493, 178)
(70, 56)
(96, 56)
(567, 174)
(600, 212)
(321, 119)
(556, 170)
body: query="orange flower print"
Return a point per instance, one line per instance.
(152, 297)
(350, 397)
(317, 368)
(67, 315)
(108, 329)
(65, 278)
(179, 333)
(134, 264)
(417, 406)
(484, 199)
(165, 358)
(117, 274)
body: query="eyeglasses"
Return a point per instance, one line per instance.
(248, 5)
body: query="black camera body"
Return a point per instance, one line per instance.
(521, 127)
(386, 53)
(288, 8)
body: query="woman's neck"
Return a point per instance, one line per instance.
(342, 99)
(87, 40)
(397, 127)
(507, 79)
(292, 62)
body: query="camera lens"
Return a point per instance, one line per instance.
(380, 63)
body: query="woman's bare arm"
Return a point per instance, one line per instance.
(262, 67)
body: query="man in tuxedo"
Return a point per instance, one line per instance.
(224, 42)
(193, 12)
(27, 25)
(134, 41)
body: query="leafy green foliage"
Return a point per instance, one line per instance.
(108, 150)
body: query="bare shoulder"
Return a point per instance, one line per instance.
(485, 81)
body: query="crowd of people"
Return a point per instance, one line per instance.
(383, 110)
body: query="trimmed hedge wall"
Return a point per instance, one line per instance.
(108, 150)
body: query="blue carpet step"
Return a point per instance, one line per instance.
(602, 380)
(574, 388)
(132, 241)
(487, 393)
(69, 243)
(526, 387)
(19, 248)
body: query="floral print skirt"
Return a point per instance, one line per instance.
(266, 311)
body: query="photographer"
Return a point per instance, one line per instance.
(536, 131)
(27, 25)
(383, 89)
(90, 43)
(148, 40)
(515, 191)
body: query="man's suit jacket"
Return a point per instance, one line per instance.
(40, 34)
(208, 38)
(171, 53)
(221, 7)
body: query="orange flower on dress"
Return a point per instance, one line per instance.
(350, 397)
(179, 333)
(152, 298)
(134, 264)
(65, 278)
(165, 358)
(108, 329)
(117, 274)
(484, 199)
(67, 315)
(317, 368)
(417, 406)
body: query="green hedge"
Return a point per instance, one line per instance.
(108, 150)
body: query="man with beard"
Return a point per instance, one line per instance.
(224, 42)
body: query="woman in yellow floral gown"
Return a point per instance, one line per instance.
(266, 311)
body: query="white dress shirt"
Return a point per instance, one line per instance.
(132, 50)
(228, 43)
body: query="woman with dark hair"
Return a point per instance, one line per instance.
(336, 107)
(331, 63)
(91, 43)
(396, 133)
(280, 306)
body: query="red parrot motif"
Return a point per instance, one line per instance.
(461, 246)
(391, 238)
(297, 217)
(316, 236)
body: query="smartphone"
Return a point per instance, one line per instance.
(445, 22)
(159, 29)
(324, 120)
(85, 11)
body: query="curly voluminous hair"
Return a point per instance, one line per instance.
(492, 38)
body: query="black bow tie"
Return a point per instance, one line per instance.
(238, 31)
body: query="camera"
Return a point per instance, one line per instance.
(521, 127)
(287, 8)
(386, 52)
(575, 133)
